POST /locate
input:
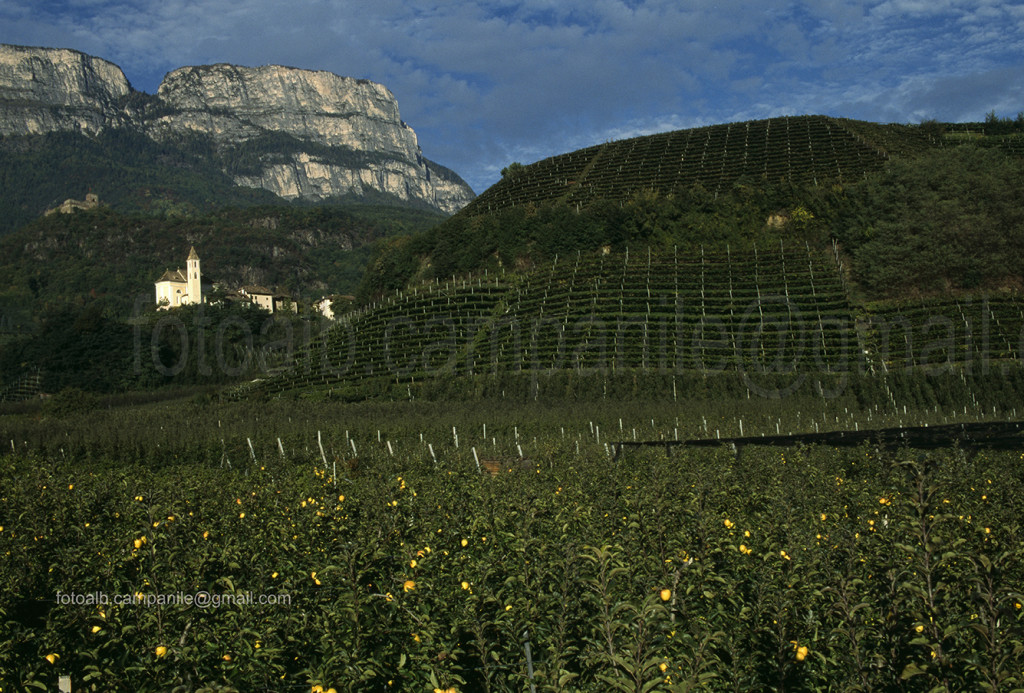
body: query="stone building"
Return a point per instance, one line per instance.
(270, 301)
(92, 201)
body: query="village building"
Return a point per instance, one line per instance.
(325, 306)
(270, 301)
(332, 306)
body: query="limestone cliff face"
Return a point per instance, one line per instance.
(304, 176)
(45, 90)
(369, 147)
(310, 135)
(237, 103)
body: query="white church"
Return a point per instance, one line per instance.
(176, 288)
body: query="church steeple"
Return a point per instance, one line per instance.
(194, 278)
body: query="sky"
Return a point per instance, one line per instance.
(488, 82)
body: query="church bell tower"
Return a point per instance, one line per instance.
(194, 286)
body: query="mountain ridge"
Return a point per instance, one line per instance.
(342, 136)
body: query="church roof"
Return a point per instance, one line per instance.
(173, 276)
(192, 254)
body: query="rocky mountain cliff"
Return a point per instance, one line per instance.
(297, 133)
(48, 90)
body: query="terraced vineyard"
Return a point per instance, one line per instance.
(780, 308)
(777, 310)
(780, 311)
(21, 389)
(412, 335)
(1012, 144)
(976, 133)
(644, 311)
(804, 149)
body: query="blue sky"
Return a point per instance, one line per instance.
(487, 82)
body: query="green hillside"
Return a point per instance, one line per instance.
(113, 257)
(792, 254)
(815, 150)
(917, 209)
(802, 149)
(955, 329)
(76, 304)
(900, 253)
(654, 314)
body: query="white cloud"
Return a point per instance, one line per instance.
(487, 81)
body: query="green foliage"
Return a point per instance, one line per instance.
(69, 401)
(84, 349)
(310, 251)
(994, 125)
(917, 216)
(795, 569)
(524, 237)
(933, 221)
(951, 219)
(78, 348)
(512, 170)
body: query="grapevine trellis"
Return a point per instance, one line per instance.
(25, 387)
(779, 309)
(769, 310)
(935, 333)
